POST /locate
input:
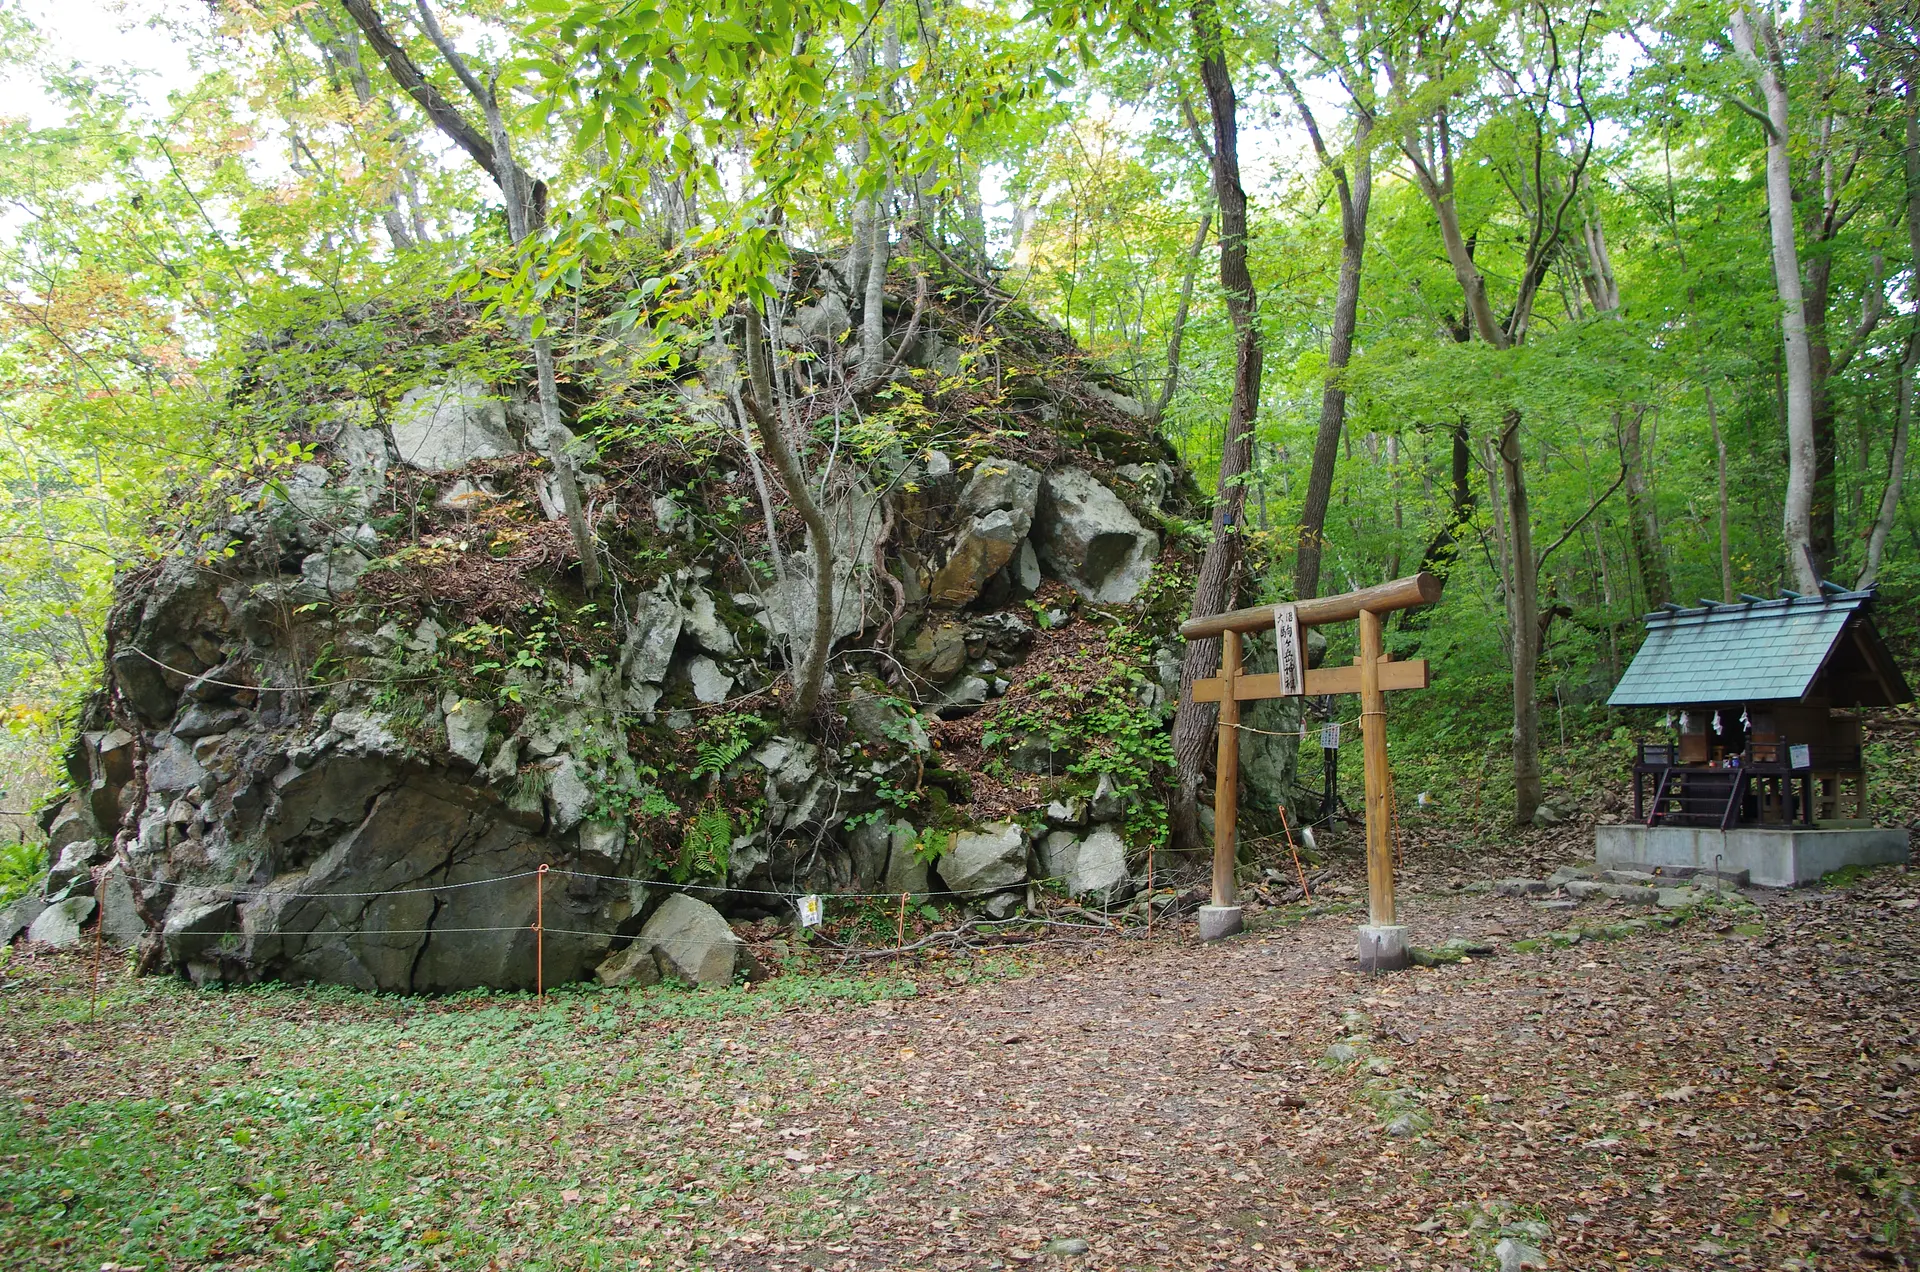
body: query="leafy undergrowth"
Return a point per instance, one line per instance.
(1735, 1091)
(294, 1128)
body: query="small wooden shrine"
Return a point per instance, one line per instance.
(1758, 697)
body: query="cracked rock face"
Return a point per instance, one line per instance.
(996, 509)
(1088, 539)
(444, 427)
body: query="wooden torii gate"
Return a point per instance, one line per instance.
(1383, 945)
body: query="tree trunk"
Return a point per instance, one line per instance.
(1643, 523)
(526, 204)
(1822, 527)
(1355, 198)
(1333, 394)
(1178, 334)
(1903, 414)
(766, 421)
(1444, 547)
(1523, 614)
(873, 327)
(1797, 514)
(1212, 590)
(1727, 593)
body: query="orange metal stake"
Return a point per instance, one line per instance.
(539, 932)
(1305, 895)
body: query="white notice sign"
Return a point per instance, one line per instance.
(811, 911)
(1801, 754)
(1330, 736)
(1286, 636)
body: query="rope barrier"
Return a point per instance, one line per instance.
(1305, 732)
(722, 705)
(236, 892)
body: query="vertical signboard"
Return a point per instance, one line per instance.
(1286, 637)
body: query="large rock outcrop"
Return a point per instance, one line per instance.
(343, 749)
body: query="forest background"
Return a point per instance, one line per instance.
(1589, 308)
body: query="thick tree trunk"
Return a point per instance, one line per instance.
(1797, 514)
(1822, 518)
(1643, 523)
(1212, 591)
(1523, 615)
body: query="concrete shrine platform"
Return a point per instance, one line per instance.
(1774, 857)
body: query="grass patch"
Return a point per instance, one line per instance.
(293, 1127)
(1848, 876)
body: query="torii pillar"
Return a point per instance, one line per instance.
(1382, 941)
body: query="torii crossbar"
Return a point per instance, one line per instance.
(1373, 673)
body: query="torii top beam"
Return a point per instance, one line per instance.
(1409, 593)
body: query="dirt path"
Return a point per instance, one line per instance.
(1694, 1098)
(1738, 1092)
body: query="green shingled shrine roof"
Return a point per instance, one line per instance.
(1757, 651)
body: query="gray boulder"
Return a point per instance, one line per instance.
(885, 722)
(990, 858)
(569, 794)
(867, 845)
(1099, 870)
(19, 916)
(73, 864)
(821, 323)
(202, 721)
(1093, 868)
(997, 506)
(652, 631)
(937, 653)
(443, 427)
(119, 919)
(1070, 812)
(193, 928)
(171, 766)
(1109, 803)
(854, 519)
(1058, 852)
(710, 684)
(467, 720)
(333, 572)
(1087, 538)
(70, 825)
(604, 840)
(1153, 481)
(906, 873)
(60, 924)
(966, 695)
(692, 941)
(702, 622)
(1026, 570)
(634, 965)
(1120, 402)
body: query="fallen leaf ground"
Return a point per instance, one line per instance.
(1738, 1091)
